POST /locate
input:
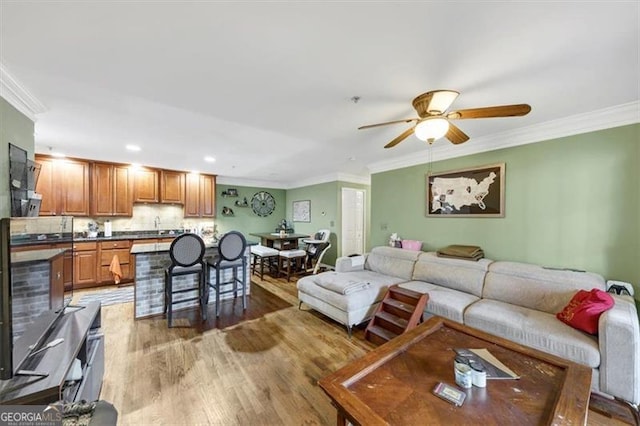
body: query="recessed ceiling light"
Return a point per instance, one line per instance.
(134, 148)
(56, 154)
(209, 159)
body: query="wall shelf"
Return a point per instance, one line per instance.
(243, 203)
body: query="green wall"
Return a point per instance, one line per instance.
(570, 202)
(244, 219)
(326, 212)
(15, 128)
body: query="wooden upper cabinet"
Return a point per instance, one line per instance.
(207, 196)
(102, 189)
(145, 189)
(45, 187)
(200, 196)
(192, 196)
(172, 187)
(75, 188)
(111, 190)
(122, 191)
(64, 187)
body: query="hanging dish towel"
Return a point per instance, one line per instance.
(115, 269)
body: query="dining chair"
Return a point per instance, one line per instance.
(230, 255)
(187, 254)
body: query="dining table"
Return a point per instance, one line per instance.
(279, 241)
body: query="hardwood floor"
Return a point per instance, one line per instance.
(256, 367)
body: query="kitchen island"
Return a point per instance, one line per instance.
(151, 260)
(37, 285)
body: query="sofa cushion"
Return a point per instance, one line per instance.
(464, 275)
(392, 261)
(443, 301)
(373, 293)
(534, 287)
(584, 309)
(535, 329)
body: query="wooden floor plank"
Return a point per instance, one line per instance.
(260, 366)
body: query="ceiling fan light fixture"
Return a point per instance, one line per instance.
(441, 100)
(430, 129)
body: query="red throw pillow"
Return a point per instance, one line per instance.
(584, 309)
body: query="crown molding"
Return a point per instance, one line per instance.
(229, 180)
(349, 178)
(331, 177)
(14, 92)
(606, 118)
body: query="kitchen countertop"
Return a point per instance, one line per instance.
(162, 247)
(35, 255)
(57, 238)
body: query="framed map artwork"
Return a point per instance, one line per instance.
(302, 211)
(476, 192)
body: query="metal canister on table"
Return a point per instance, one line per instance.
(462, 372)
(478, 375)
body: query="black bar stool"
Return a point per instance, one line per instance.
(187, 253)
(230, 255)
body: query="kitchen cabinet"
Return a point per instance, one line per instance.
(171, 187)
(44, 187)
(85, 264)
(64, 187)
(145, 187)
(200, 196)
(119, 248)
(111, 190)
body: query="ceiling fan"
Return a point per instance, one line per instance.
(434, 121)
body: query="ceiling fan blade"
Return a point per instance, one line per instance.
(400, 138)
(488, 112)
(434, 103)
(406, 120)
(455, 135)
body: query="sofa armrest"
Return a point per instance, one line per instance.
(350, 264)
(619, 340)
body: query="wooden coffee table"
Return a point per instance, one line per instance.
(393, 384)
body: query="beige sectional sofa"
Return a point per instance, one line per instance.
(517, 301)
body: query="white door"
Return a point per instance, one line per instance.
(352, 221)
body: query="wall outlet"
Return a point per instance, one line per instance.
(628, 286)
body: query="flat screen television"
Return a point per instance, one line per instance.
(36, 277)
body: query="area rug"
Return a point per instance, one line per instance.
(108, 297)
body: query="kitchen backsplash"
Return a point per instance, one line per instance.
(146, 217)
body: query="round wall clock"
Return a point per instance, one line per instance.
(263, 203)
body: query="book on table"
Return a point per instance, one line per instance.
(492, 365)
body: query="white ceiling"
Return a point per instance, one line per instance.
(265, 88)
